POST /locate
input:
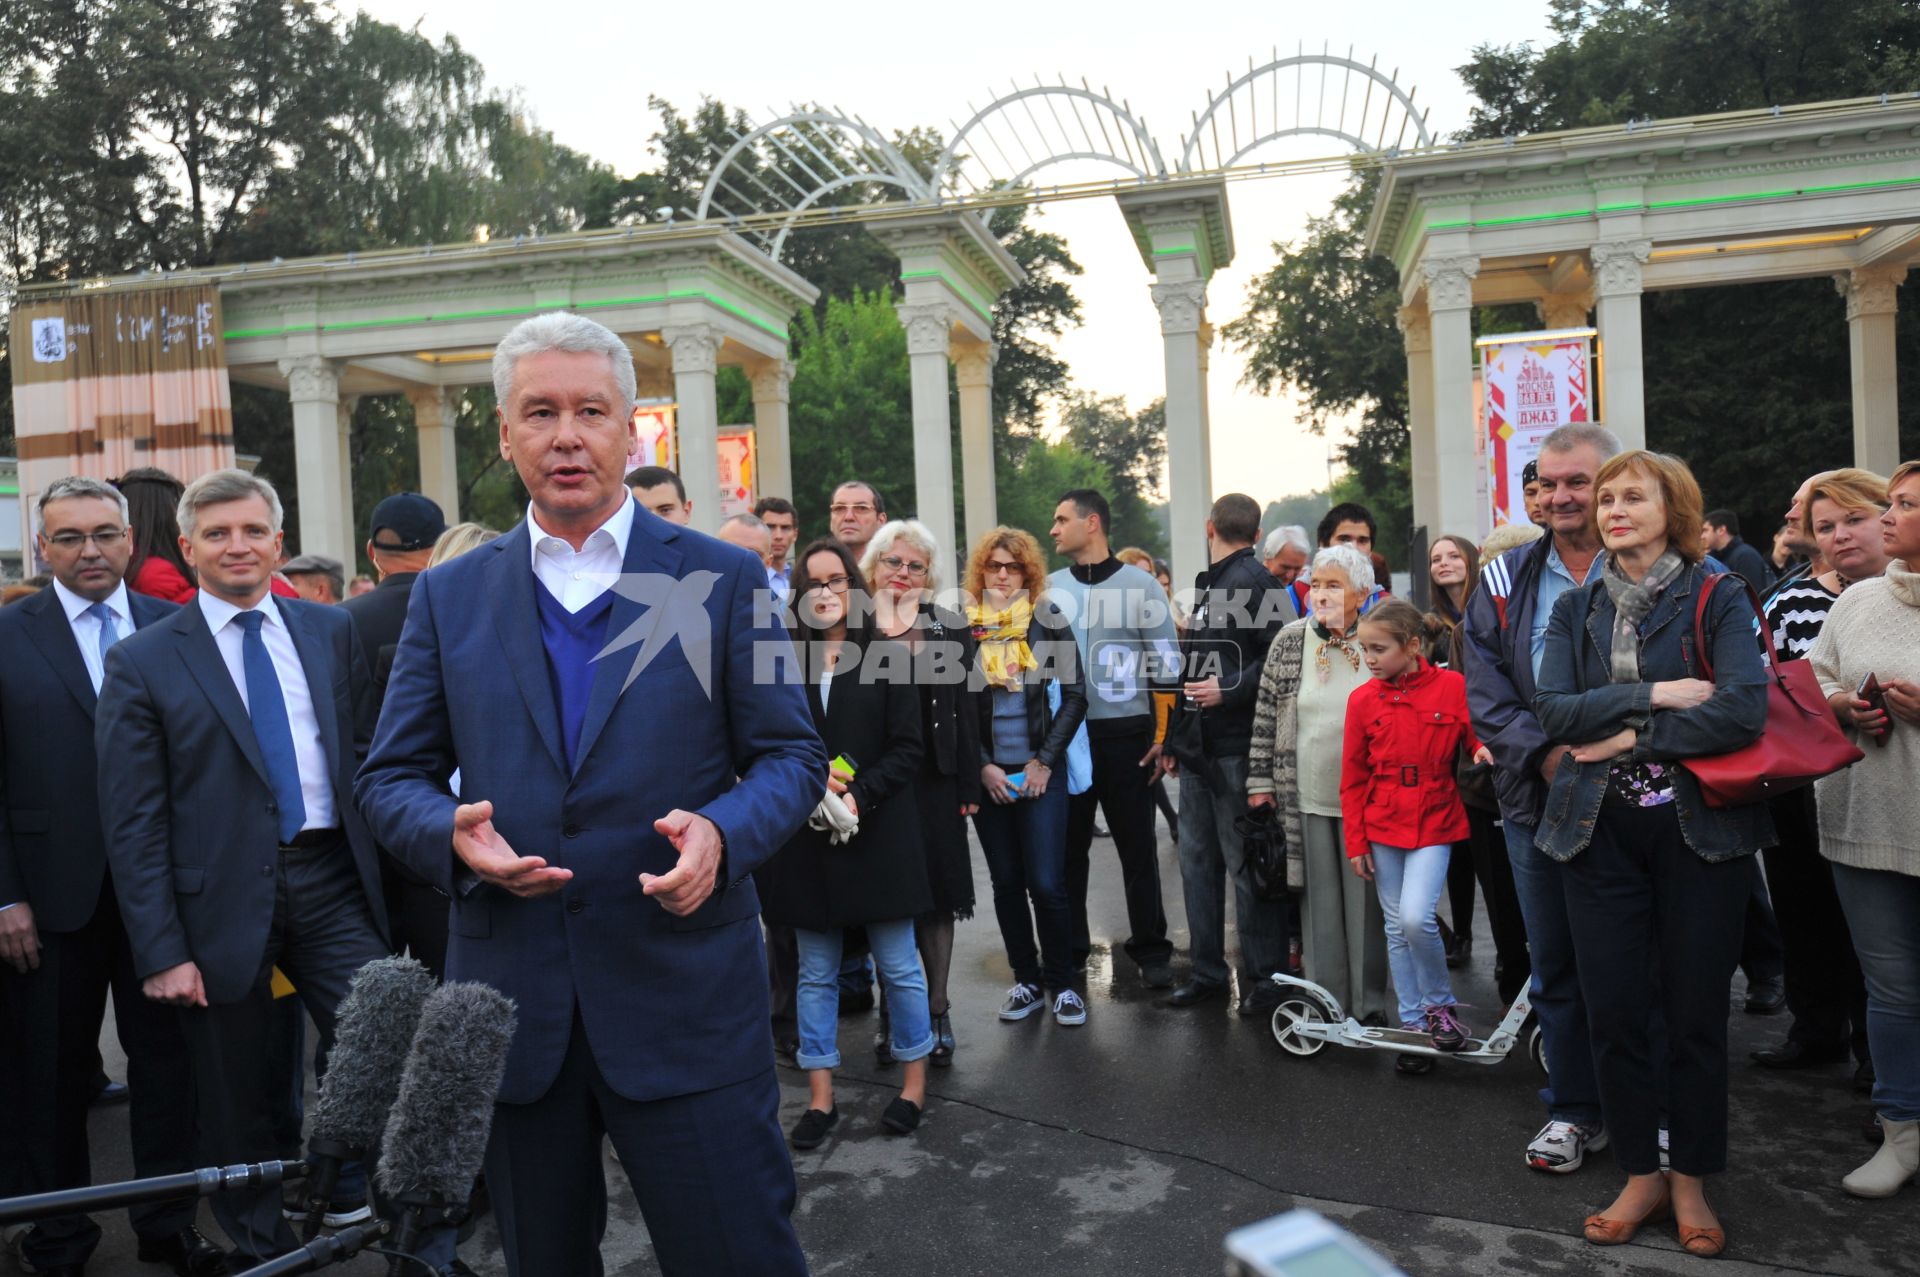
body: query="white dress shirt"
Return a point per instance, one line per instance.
(309, 751)
(780, 580)
(576, 578)
(86, 629)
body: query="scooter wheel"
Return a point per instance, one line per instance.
(1537, 1048)
(1288, 1017)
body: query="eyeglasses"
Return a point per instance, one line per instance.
(106, 540)
(893, 563)
(842, 511)
(997, 566)
(837, 584)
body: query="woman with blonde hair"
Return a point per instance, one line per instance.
(458, 540)
(901, 567)
(1656, 881)
(1025, 725)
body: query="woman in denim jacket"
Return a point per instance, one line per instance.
(1651, 869)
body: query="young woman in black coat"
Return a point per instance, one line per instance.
(825, 879)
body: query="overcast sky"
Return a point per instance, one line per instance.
(586, 67)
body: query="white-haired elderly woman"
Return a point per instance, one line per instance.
(901, 566)
(1299, 732)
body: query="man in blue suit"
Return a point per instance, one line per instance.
(601, 679)
(62, 946)
(230, 823)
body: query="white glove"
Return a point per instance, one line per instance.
(833, 818)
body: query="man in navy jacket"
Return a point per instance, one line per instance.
(602, 680)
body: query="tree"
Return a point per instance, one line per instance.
(1130, 448)
(851, 411)
(1029, 489)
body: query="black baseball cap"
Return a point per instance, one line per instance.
(410, 520)
(1530, 473)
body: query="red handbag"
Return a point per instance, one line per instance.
(1801, 741)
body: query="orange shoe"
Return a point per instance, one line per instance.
(1707, 1243)
(1602, 1231)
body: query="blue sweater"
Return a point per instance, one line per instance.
(572, 640)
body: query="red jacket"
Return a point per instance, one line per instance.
(1396, 776)
(160, 579)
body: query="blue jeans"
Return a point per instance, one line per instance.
(1211, 797)
(1572, 1093)
(818, 995)
(1025, 843)
(1883, 912)
(1409, 883)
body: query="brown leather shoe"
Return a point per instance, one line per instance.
(1602, 1231)
(1707, 1243)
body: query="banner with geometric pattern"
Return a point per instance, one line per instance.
(1531, 385)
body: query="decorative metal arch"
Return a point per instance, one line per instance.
(1116, 136)
(1243, 95)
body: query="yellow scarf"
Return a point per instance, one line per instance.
(1002, 636)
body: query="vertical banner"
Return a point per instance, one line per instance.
(1531, 385)
(739, 473)
(105, 382)
(653, 422)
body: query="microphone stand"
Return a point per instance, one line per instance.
(419, 1212)
(159, 1188)
(325, 1251)
(329, 1155)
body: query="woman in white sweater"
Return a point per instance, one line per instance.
(1870, 822)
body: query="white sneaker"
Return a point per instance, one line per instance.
(1022, 1001)
(1561, 1147)
(1068, 1008)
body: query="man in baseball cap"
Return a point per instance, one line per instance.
(1530, 494)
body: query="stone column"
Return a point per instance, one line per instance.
(1449, 282)
(433, 424)
(772, 394)
(696, 360)
(1616, 287)
(1183, 306)
(973, 370)
(313, 384)
(1564, 310)
(1872, 312)
(1416, 332)
(929, 328)
(348, 403)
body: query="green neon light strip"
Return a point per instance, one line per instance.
(346, 325)
(1176, 252)
(966, 294)
(1702, 201)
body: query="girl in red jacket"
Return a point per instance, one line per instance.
(1402, 811)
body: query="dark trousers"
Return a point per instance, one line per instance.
(1638, 892)
(323, 932)
(1487, 848)
(1025, 844)
(1761, 952)
(51, 1018)
(710, 1171)
(1825, 993)
(1120, 790)
(1460, 875)
(783, 981)
(417, 919)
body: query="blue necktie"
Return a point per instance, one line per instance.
(271, 727)
(109, 632)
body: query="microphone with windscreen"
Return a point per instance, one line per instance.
(373, 1034)
(436, 1137)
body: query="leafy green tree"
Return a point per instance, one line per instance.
(1130, 448)
(851, 412)
(1029, 490)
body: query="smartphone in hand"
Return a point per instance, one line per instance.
(1875, 696)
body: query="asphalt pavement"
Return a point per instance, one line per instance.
(1135, 1143)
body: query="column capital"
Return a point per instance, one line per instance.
(929, 327)
(695, 347)
(773, 382)
(311, 379)
(1416, 329)
(427, 401)
(1616, 266)
(1183, 305)
(1564, 310)
(1450, 281)
(973, 365)
(1870, 291)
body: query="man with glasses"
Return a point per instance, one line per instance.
(856, 514)
(63, 946)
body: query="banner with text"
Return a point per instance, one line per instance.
(106, 382)
(1531, 385)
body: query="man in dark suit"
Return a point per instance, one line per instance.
(613, 811)
(62, 946)
(230, 823)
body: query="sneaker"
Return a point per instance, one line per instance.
(812, 1128)
(340, 1213)
(1561, 1147)
(1447, 1033)
(1022, 1001)
(1068, 1008)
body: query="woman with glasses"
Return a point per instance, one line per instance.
(902, 577)
(1025, 726)
(858, 861)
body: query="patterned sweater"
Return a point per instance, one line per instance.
(1870, 813)
(1272, 762)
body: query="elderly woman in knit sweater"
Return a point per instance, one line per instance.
(1870, 821)
(1299, 733)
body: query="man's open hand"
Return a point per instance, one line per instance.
(687, 885)
(480, 845)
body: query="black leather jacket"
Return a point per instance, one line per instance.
(1241, 608)
(1051, 638)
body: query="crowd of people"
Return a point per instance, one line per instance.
(230, 779)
